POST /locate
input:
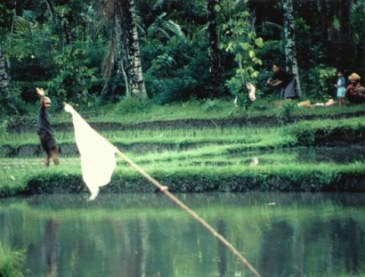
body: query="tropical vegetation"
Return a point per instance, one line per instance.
(98, 51)
(158, 79)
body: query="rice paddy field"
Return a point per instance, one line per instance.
(321, 154)
(208, 154)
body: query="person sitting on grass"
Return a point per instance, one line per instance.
(355, 92)
(44, 130)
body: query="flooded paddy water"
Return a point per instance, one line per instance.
(280, 234)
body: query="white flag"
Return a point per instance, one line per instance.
(97, 154)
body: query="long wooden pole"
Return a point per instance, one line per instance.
(211, 230)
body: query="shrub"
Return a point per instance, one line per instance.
(131, 105)
(320, 78)
(213, 105)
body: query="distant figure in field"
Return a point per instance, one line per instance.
(44, 130)
(284, 81)
(340, 88)
(355, 92)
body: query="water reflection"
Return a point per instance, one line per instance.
(146, 235)
(338, 155)
(341, 155)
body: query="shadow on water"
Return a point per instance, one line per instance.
(339, 155)
(290, 234)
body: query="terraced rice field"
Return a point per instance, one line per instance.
(213, 153)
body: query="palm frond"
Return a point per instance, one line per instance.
(22, 25)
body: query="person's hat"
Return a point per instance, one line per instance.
(354, 77)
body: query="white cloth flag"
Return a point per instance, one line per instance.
(97, 154)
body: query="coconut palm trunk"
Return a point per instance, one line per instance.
(346, 32)
(124, 49)
(290, 51)
(122, 56)
(134, 67)
(4, 76)
(213, 41)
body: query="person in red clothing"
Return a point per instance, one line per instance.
(355, 93)
(44, 130)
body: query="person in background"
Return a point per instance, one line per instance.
(355, 92)
(284, 81)
(340, 88)
(44, 130)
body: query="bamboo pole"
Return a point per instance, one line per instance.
(210, 229)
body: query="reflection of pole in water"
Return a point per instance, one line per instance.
(49, 239)
(222, 258)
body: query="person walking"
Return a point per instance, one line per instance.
(44, 130)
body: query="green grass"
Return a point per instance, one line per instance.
(216, 109)
(11, 262)
(131, 113)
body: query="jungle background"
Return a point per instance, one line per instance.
(98, 52)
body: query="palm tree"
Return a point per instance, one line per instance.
(124, 46)
(4, 76)
(134, 62)
(289, 34)
(213, 40)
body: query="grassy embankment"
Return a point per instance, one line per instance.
(213, 154)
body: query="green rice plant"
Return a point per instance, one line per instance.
(166, 136)
(16, 173)
(306, 132)
(223, 109)
(302, 133)
(11, 261)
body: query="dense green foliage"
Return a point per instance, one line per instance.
(67, 48)
(62, 46)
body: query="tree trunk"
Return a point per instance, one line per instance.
(362, 53)
(121, 45)
(4, 76)
(134, 67)
(213, 41)
(290, 51)
(345, 33)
